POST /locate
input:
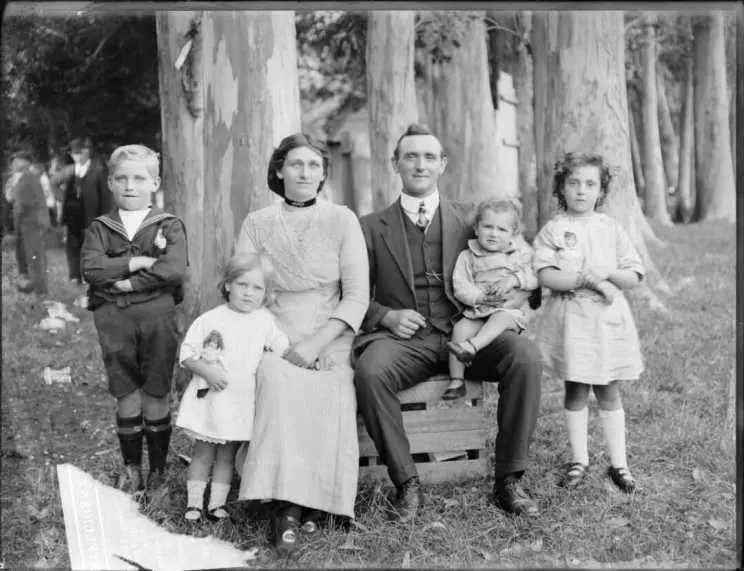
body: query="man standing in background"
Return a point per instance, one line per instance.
(86, 197)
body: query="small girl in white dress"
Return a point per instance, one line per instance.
(223, 348)
(586, 331)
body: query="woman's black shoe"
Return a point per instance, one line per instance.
(286, 527)
(311, 522)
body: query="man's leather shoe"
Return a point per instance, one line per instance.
(509, 495)
(410, 498)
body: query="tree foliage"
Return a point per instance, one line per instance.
(90, 74)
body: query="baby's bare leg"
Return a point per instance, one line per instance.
(496, 324)
(462, 331)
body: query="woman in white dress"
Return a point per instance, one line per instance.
(304, 452)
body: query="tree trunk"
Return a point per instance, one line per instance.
(727, 440)
(581, 105)
(223, 111)
(716, 195)
(391, 95)
(462, 116)
(669, 140)
(525, 118)
(686, 180)
(654, 196)
(635, 153)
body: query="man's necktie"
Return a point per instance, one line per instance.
(422, 221)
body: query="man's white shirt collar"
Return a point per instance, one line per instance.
(410, 205)
(80, 170)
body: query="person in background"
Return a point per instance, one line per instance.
(86, 197)
(31, 222)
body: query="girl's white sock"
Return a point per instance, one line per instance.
(218, 494)
(195, 493)
(613, 424)
(577, 422)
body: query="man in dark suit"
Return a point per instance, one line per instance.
(412, 246)
(86, 196)
(31, 222)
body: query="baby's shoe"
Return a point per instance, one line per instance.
(622, 478)
(455, 390)
(465, 351)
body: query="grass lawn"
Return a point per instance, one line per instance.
(683, 515)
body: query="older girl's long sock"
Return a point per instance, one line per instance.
(577, 422)
(613, 424)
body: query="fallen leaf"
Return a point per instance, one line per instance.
(360, 526)
(451, 503)
(406, 563)
(615, 522)
(435, 525)
(717, 524)
(513, 549)
(536, 545)
(250, 554)
(483, 553)
(697, 474)
(348, 544)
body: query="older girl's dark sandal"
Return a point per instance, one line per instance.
(622, 478)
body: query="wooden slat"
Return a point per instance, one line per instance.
(431, 391)
(438, 420)
(433, 441)
(432, 472)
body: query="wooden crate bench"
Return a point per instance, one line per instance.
(447, 438)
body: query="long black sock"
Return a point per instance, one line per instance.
(158, 433)
(130, 430)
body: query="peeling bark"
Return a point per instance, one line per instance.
(669, 139)
(654, 196)
(714, 170)
(391, 95)
(461, 114)
(686, 178)
(215, 163)
(523, 79)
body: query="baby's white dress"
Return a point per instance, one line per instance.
(581, 338)
(227, 415)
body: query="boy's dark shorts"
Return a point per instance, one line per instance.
(139, 345)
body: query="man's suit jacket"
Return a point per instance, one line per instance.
(390, 267)
(29, 204)
(95, 198)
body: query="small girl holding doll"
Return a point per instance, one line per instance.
(496, 262)
(223, 348)
(586, 331)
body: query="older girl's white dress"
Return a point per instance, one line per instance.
(243, 337)
(581, 338)
(304, 448)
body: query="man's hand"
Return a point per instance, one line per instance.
(403, 323)
(137, 263)
(303, 354)
(123, 285)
